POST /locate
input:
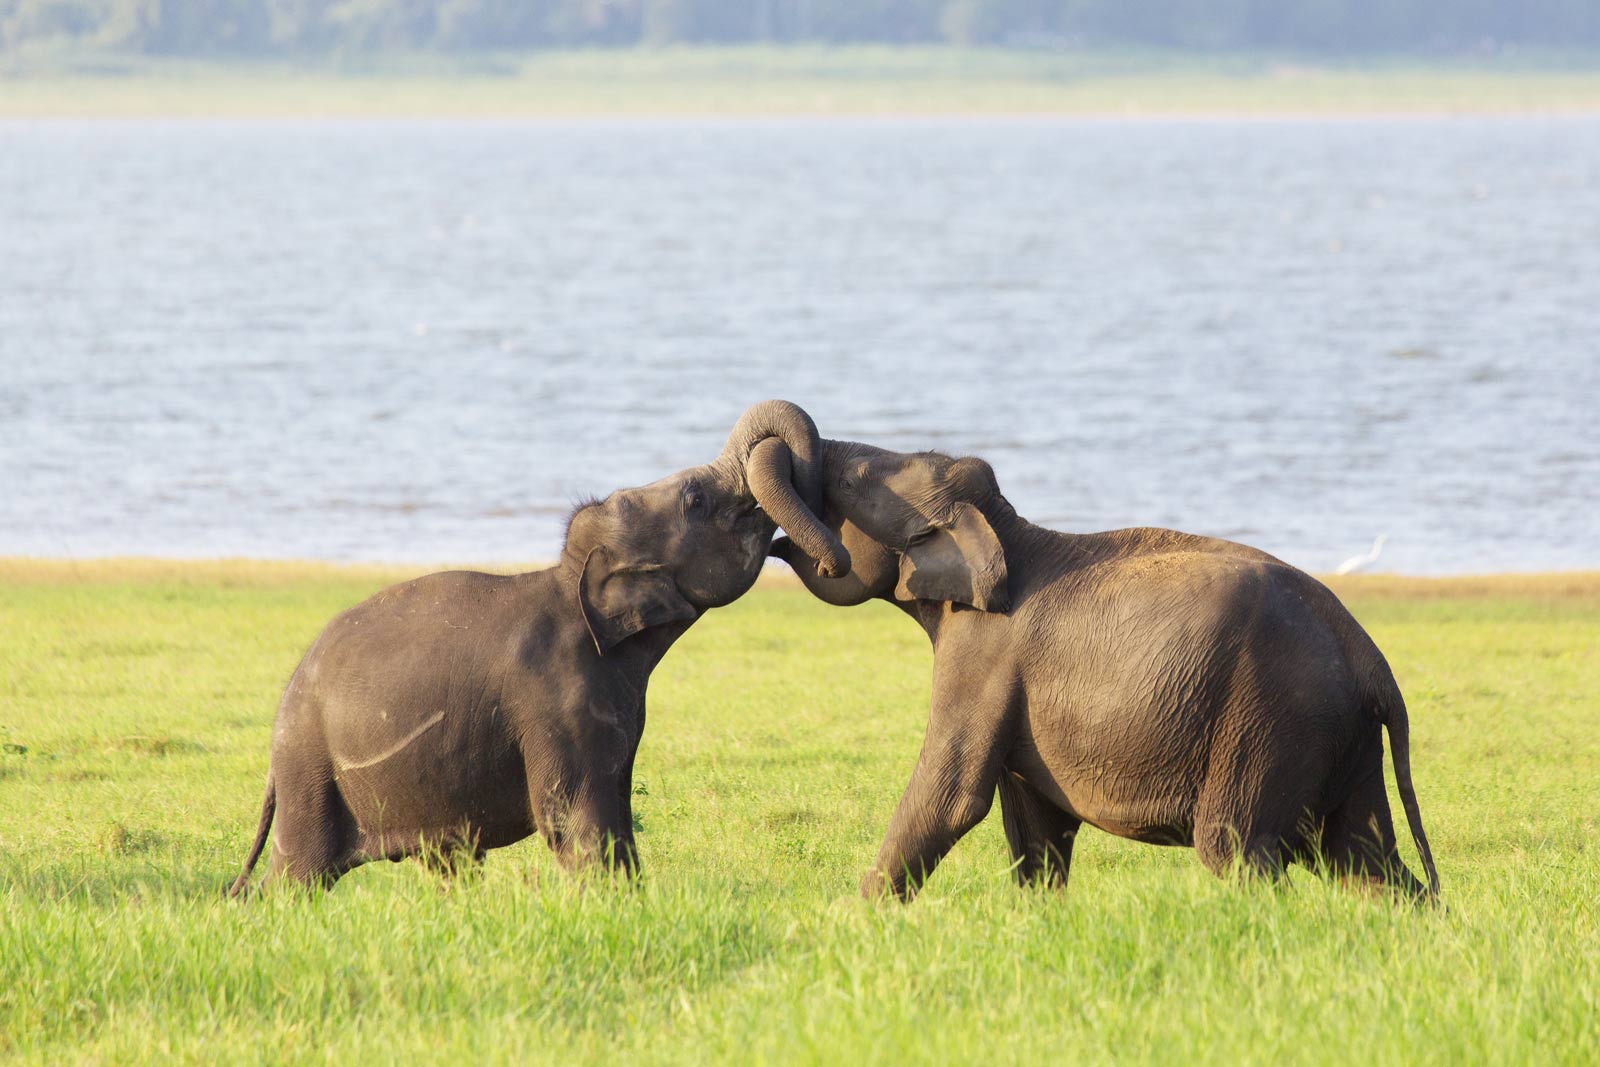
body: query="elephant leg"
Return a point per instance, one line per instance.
(614, 823)
(1040, 834)
(599, 834)
(950, 792)
(1222, 845)
(313, 834)
(587, 826)
(625, 801)
(1253, 806)
(1358, 845)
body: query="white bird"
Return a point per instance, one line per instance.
(1355, 563)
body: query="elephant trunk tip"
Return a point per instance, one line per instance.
(834, 563)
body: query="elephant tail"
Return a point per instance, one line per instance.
(1393, 713)
(269, 805)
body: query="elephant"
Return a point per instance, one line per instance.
(1161, 686)
(464, 711)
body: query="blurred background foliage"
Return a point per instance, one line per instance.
(311, 27)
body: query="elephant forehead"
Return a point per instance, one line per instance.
(897, 490)
(648, 496)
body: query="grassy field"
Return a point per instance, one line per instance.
(793, 81)
(135, 703)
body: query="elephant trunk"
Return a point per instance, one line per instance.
(842, 590)
(769, 473)
(779, 418)
(777, 450)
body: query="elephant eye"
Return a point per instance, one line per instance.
(694, 500)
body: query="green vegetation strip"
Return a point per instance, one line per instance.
(135, 704)
(799, 81)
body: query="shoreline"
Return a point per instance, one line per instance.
(796, 83)
(241, 571)
(626, 118)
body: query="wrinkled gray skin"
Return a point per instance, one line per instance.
(1161, 686)
(463, 711)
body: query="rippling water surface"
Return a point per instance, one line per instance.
(422, 341)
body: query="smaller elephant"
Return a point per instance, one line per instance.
(1161, 686)
(462, 711)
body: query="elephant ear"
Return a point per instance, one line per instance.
(619, 601)
(959, 560)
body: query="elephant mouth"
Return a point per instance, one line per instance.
(756, 540)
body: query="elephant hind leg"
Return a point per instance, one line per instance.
(1358, 845)
(1258, 828)
(1040, 834)
(1223, 847)
(1260, 787)
(314, 836)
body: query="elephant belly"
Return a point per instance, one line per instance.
(442, 781)
(1131, 772)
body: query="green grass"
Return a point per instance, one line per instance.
(135, 705)
(793, 81)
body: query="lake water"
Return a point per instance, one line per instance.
(423, 340)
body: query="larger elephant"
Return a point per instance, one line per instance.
(464, 711)
(1161, 686)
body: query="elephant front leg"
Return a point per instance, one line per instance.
(950, 792)
(589, 827)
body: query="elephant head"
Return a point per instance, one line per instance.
(917, 526)
(665, 552)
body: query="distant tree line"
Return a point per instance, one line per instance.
(200, 27)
